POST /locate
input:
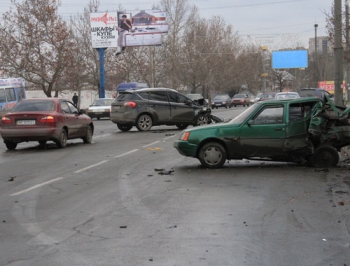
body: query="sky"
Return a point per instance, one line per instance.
(276, 24)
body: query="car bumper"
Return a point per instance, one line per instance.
(124, 118)
(239, 103)
(185, 148)
(30, 134)
(99, 114)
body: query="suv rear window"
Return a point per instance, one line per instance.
(125, 96)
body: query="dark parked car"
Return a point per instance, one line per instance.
(42, 120)
(303, 130)
(222, 100)
(264, 96)
(240, 99)
(149, 107)
(315, 92)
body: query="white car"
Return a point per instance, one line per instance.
(100, 108)
(286, 95)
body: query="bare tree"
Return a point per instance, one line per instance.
(36, 43)
(179, 15)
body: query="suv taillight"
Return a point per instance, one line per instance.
(130, 104)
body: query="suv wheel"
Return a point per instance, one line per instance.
(144, 122)
(181, 126)
(124, 127)
(201, 120)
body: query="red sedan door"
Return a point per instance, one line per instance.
(70, 119)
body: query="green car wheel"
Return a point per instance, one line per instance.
(212, 155)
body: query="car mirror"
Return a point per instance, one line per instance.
(250, 122)
(82, 111)
(189, 102)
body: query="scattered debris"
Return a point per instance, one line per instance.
(169, 134)
(325, 170)
(171, 227)
(11, 178)
(341, 192)
(165, 172)
(158, 169)
(341, 203)
(123, 226)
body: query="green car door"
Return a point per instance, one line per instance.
(263, 135)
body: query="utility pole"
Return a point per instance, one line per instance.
(316, 59)
(347, 72)
(264, 74)
(338, 53)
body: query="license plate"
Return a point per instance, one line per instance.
(117, 107)
(25, 122)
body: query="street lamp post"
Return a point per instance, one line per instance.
(315, 59)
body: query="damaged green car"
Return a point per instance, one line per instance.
(304, 130)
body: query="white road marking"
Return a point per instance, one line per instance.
(150, 144)
(84, 169)
(36, 186)
(91, 166)
(169, 137)
(121, 155)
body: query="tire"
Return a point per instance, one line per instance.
(201, 120)
(144, 123)
(10, 145)
(62, 141)
(226, 106)
(42, 142)
(98, 118)
(215, 119)
(212, 155)
(124, 127)
(235, 105)
(181, 126)
(325, 156)
(88, 137)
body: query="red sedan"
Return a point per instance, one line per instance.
(240, 99)
(42, 120)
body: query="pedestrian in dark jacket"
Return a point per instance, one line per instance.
(75, 100)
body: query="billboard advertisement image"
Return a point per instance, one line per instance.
(147, 27)
(104, 29)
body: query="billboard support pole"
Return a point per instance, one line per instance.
(101, 52)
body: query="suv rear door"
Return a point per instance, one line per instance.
(159, 106)
(181, 110)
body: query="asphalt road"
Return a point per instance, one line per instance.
(106, 203)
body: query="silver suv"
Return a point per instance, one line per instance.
(149, 107)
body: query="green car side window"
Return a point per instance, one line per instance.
(270, 115)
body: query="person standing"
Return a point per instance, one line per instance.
(125, 26)
(75, 100)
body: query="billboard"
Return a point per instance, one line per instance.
(147, 27)
(104, 29)
(329, 86)
(289, 59)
